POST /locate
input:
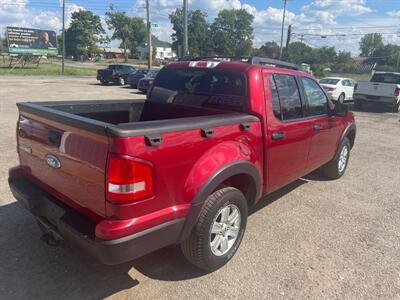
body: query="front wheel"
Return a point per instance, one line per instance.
(219, 230)
(341, 98)
(338, 165)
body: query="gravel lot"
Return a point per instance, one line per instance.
(313, 239)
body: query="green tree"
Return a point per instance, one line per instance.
(131, 31)
(198, 32)
(84, 33)
(119, 22)
(343, 57)
(232, 33)
(299, 53)
(138, 33)
(269, 49)
(323, 55)
(370, 43)
(386, 55)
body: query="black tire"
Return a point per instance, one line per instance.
(196, 248)
(121, 81)
(358, 104)
(332, 169)
(341, 98)
(103, 82)
(396, 107)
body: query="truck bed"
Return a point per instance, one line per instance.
(131, 118)
(81, 135)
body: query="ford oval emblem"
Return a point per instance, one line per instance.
(53, 161)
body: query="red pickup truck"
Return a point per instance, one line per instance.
(120, 179)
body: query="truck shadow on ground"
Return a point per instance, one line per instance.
(31, 269)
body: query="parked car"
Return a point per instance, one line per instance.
(340, 89)
(383, 88)
(147, 81)
(120, 179)
(134, 78)
(117, 74)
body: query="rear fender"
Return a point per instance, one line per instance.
(211, 170)
(213, 161)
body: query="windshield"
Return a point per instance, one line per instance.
(152, 74)
(329, 81)
(141, 72)
(201, 88)
(386, 78)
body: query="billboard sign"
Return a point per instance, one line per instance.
(31, 41)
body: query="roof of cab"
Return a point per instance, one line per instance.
(236, 65)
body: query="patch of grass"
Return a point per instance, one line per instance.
(52, 69)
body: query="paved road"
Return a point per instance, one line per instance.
(314, 239)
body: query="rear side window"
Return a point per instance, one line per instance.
(286, 100)
(317, 101)
(201, 88)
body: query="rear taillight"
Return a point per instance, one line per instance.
(397, 92)
(355, 86)
(128, 179)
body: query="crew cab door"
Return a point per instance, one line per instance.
(288, 131)
(325, 128)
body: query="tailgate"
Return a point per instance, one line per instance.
(377, 89)
(69, 160)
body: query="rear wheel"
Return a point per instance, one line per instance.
(121, 81)
(337, 166)
(396, 107)
(358, 104)
(218, 231)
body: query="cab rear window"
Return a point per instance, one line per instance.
(386, 78)
(201, 88)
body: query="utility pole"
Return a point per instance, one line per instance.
(289, 35)
(185, 28)
(283, 25)
(149, 48)
(63, 37)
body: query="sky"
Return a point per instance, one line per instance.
(347, 19)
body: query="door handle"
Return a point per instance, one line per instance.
(278, 136)
(318, 127)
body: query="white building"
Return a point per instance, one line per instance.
(163, 50)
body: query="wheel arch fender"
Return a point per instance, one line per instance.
(239, 167)
(350, 133)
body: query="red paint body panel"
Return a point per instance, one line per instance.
(183, 162)
(83, 159)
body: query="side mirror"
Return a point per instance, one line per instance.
(340, 109)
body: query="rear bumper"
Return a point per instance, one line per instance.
(79, 231)
(376, 99)
(107, 78)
